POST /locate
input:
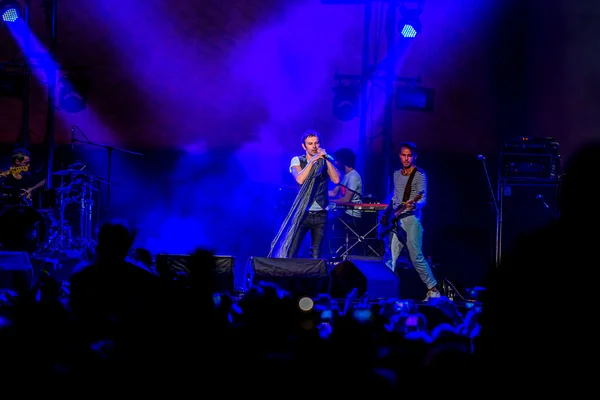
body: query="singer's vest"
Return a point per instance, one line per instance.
(321, 183)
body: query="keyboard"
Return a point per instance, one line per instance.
(359, 206)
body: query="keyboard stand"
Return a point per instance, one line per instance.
(359, 239)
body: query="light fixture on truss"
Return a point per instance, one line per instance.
(10, 10)
(409, 24)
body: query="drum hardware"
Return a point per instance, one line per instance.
(109, 153)
(49, 231)
(70, 172)
(85, 219)
(77, 165)
(45, 230)
(81, 192)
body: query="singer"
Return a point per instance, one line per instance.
(312, 171)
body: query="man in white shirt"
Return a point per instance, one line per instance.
(349, 191)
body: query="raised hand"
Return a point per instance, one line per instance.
(321, 153)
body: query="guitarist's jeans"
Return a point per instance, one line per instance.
(409, 234)
(316, 223)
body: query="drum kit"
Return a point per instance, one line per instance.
(46, 224)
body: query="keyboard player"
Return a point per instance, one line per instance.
(349, 190)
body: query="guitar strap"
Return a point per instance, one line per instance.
(384, 232)
(408, 187)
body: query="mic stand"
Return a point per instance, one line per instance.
(496, 211)
(541, 198)
(110, 150)
(355, 192)
(487, 176)
(352, 190)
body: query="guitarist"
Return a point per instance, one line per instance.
(17, 181)
(402, 218)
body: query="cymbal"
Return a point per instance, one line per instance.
(76, 165)
(90, 187)
(76, 187)
(70, 172)
(101, 180)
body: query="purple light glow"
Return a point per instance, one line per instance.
(232, 86)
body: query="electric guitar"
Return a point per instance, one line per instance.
(391, 220)
(26, 194)
(14, 170)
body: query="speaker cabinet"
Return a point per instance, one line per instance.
(172, 266)
(367, 274)
(16, 271)
(299, 276)
(525, 209)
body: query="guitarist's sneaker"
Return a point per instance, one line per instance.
(432, 294)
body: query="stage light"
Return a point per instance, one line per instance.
(10, 10)
(410, 25)
(410, 28)
(415, 98)
(346, 101)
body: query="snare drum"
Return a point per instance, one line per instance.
(23, 228)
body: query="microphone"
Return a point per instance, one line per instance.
(539, 197)
(331, 159)
(481, 158)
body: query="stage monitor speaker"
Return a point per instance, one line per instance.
(369, 275)
(173, 266)
(224, 273)
(299, 276)
(16, 271)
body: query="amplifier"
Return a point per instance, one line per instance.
(530, 158)
(531, 166)
(532, 145)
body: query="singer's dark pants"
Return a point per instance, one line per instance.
(316, 223)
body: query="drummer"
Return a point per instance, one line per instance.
(17, 179)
